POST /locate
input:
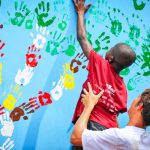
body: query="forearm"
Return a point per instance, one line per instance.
(81, 31)
(81, 124)
(81, 35)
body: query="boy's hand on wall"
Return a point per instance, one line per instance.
(79, 6)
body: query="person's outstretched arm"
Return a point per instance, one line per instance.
(89, 100)
(81, 31)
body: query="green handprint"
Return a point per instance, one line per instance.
(54, 44)
(147, 39)
(21, 13)
(116, 25)
(99, 41)
(70, 50)
(29, 21)
(143, 61)
(134, 31)
(42, 14)
(58, 5)
(63, 24)
(146, 58)
(132, 83)
(98, 12)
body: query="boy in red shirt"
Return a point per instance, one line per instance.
(103, 74)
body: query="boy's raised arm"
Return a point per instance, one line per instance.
(81, 31)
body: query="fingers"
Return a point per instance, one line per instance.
(82, 95)
(89, 87)
(82, 100)
(85, 91)
(87, 7)
(100, 93)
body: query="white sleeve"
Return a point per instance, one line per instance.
(100, 140)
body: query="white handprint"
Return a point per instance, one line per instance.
(24, 77)
(56, 93)
(7, 145)
(40, 39)
(8, 127)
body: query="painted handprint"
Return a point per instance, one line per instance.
(7, 145)
(23, 77)
(64, 22)
(7, 125)
(40, 39)
(116, 25)
(21, 12)
(100, 40)
(11, 99)
(29, 21)
(2, 110)
(147, 38)
(68, 77)
(34, 103)
(70, 46)
(42, 12)
(143, 60)
(59, 5)
(56, 92)
(32, 56)
(133, 82)
(43, 99)
(22, 111)
(1, 47)
(79, 60)
(134, 31)
(99, 11)
(54, 46)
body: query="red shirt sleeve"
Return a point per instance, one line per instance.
(95, 61)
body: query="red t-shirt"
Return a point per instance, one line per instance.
(101, 75)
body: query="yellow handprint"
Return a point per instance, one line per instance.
(68, 77)
(10, 101)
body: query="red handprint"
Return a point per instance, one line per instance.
(31, 56)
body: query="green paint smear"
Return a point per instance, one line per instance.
(70, 51)
(125, 72)
(138, 7)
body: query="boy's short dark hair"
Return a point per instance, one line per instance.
(124, 54)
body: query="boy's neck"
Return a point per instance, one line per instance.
(116, 68)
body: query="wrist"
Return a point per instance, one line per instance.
(80, 13)
(89, 108)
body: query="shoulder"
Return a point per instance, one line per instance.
(94, 56)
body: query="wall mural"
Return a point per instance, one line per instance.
(42, 66)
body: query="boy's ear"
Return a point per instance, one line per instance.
(110, 58)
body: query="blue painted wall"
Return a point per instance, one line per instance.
(37, 45)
